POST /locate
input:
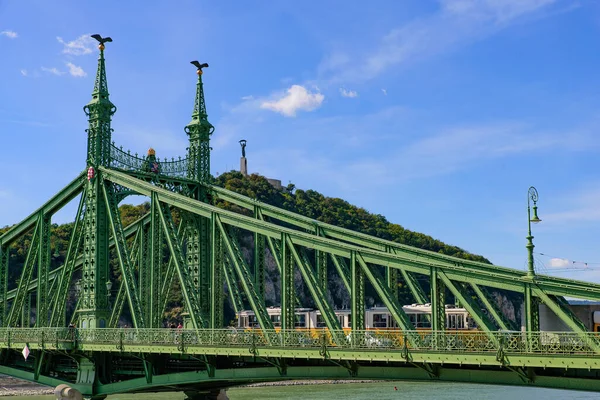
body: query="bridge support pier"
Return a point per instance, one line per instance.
(219, 394)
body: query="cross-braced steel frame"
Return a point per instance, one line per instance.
(187, 243)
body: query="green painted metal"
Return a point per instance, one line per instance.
(127, 272)
(357, 294)
(189, 295)
(4, 256)
(153, 269)
(315, 288)
(288, 309)
(43, 267)
(491, 306)
(454, 271)
(244, 276)
(22, 291)
(259, 260)
(204, 251)
(217, 272)
(483, 322)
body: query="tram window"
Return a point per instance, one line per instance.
(300, 321)
(341, 320)
(423, 321)
(413, 319)
(243, 322)
(597, 328)
(276, 319)
(380, 320)
(349, 320)
(252, 321)
(321, 322)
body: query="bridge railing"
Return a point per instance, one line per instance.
(513, 342)
(126, 161)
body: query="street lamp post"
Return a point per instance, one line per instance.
(532, 195)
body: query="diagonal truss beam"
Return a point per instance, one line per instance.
(316, 291)
(124, 259)
(470, 305)
(187, 287)
(241, 268)
(68, 193)
(493, 309)
(497, 277)
(22, 291)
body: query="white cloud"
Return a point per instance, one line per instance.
(245, 98)
(53, 71)
(10, 34)
(558, 263)
(24, 72)
(384, 91)
(76, 71)
(84, 44)
(296, 98)
(455, 24)
(348, 93)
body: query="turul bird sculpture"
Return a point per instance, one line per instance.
(101, 39)
(198, 65)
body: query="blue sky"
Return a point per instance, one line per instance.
(437, 114)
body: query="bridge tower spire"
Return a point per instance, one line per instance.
(198, 236)
(94, 309)
(199, 131)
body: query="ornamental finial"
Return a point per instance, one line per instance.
(101, 40)
(199, 66)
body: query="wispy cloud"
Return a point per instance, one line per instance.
(24, 72)
(384, 91)
(75, 70)
(348, 93)
(84, 44)
(294, 99)
(10, 34)
(455, 24)
(579, 207)
(53, 71)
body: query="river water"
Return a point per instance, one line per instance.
(374, 391)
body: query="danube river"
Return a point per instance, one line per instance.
(375, 391)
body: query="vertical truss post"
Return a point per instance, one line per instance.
(321, 263)
(156, 260)
(26, 317)
(4, 251)
(216, 264)
(391, 275)
(532, 317)
(259, 259)
(287, 286)
(43, 267)
(438, 306)
(357, 294)
(144, 268)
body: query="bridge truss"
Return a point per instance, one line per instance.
(188, 242)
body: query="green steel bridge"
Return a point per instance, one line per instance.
(188, 242)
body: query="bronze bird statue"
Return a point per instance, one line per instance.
(101, 39)
(198, 65)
